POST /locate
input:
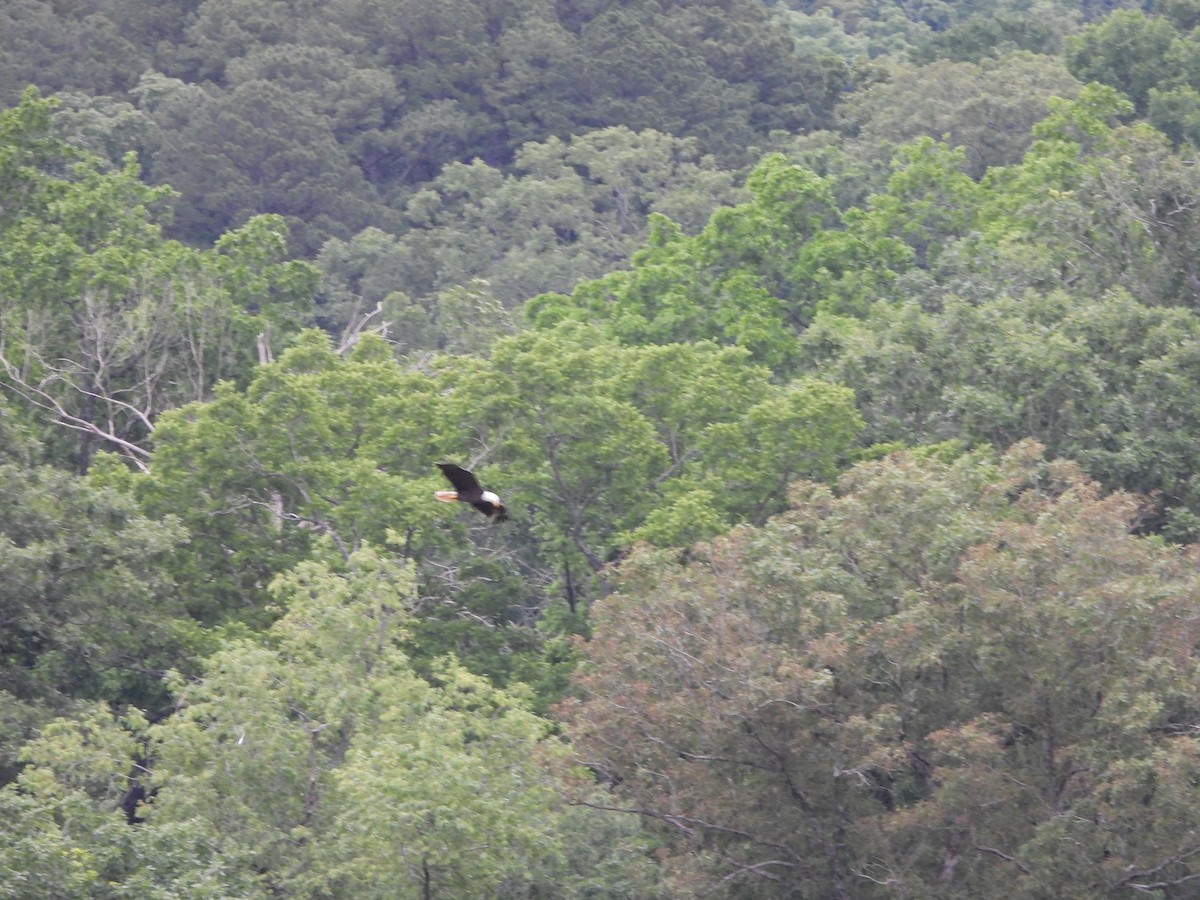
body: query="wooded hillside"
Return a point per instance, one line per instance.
(838, 365)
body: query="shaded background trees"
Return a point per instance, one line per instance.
(332, 114)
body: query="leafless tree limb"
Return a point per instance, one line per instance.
(358, 324)
(37, 396)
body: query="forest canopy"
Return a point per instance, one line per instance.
(838, 365)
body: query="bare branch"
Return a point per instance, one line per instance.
(35, 395)
(1133, 879)
(264, 348)
(1004, 856)
(356, 327)
(1161, 885)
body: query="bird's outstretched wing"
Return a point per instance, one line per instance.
(464, 482)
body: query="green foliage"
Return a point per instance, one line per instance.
(1101, 383)
(105, 322)
(317, 445)
(562, 212)
(1152, 60)
(39, 45)
(266, 151)
(334, 114)
(313, 762)
(1133, 52)
(940, 673)
(87, 599)
(959, 102)
(967, 31)
(987, 31)
(584, 440)
(104, 127)
(756, 274)
(1176, 113)
(47, 816)
(604, 435)
(961, 251)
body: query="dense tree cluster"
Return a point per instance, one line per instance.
(333, 114)
(959, 678)
(838, 363)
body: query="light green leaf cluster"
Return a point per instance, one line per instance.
(582, 437)
(106, 323)
(312, 762)
(753, 277)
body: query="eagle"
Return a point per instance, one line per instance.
(468, 490)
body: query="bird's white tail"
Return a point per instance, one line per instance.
(446, 496)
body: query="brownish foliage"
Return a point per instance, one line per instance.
(938, 680)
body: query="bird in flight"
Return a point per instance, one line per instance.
(468, 490)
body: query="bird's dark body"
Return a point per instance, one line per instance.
(468, 490)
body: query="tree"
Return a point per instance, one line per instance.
(332, 715)
(1176, 113)
(335, 114)
(313, 760)
(958, 102)
(106, 323)
(88, 603)
(600, 437)
(1142, 198)
(1038, 28)
(316, 446)
(928, 681)
(262, 149)
(586, 440)
(1133, 53)
(224, 30)
(105, 128)
(1097, 382)
(564, 211)
(39, 45)
(358, 100)
(753, 277)
(67, 834)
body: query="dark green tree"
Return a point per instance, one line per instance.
(43, 44)
(261, 148)
(90, 608)
(1133, 52)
